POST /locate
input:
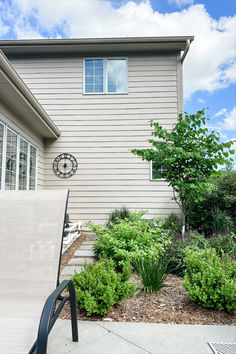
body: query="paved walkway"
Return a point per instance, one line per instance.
(83, 254)
(137, 338)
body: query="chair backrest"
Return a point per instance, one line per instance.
(31, 227)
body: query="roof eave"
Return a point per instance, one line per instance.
(92, 45)
(23, 92)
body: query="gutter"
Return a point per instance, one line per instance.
(185, 51)
(80, 41)
(15, 78)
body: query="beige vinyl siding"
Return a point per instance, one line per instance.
(13, 121)
(101, 129)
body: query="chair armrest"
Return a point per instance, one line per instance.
(49, 315)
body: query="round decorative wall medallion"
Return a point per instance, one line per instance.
(65, 165)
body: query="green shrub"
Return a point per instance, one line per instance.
(225, 243)
(211, 280)
(221, 196)
(152, 272)
(221, 222)
(118, 214)
(98, 287)
(130, 239)
(177, 251)
(172, 224)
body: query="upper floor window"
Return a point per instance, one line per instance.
(156, 170)
(18, 161)
(105, 75)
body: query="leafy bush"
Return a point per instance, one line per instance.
(225, 243)
(118, 214)
(222, 196)
(98, 287)
(152, 272)
(210, 280)
(221, 222)
(130, 239)
(172, 224)
(177, 251)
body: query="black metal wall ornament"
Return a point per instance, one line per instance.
(65, 165)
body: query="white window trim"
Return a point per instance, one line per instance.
(150, 175)
(19, 136)
(105, 77)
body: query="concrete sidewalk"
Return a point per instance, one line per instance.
(137, 338)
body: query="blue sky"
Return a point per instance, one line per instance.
(209, 68)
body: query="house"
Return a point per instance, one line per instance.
(72, 109)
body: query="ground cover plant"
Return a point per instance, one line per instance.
(130, 239)
(211, 280)
(98, 287)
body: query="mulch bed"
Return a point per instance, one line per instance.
(170, 305)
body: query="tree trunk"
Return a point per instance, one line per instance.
(183, 223)
(183, 216)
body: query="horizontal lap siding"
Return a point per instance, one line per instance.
(101, 130)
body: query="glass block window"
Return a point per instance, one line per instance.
(18, 161)
(105, 75)
(156, 170)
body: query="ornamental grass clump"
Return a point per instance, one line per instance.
(211, 280)
(152, 273)
(117, 215)
(98, 287)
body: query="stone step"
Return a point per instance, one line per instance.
(84, 253)
(91, 238)
(70, 270)
(81, 261)
(86, 247)
(88, 242)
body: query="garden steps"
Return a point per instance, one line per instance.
(83, 254)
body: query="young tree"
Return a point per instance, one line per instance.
(186, 156)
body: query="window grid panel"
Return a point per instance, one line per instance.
(23, 157)
(106, 75)
(33, 164)
(155, 171)
(94, 76)
(11, 151)
(15, 172)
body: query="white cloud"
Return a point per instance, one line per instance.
(222, 112)
(181, 3)
(229, 121)
(209, 65)
(200, 100)
(3, 28)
